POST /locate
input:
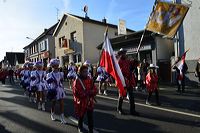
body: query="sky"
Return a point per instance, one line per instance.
(28, 18)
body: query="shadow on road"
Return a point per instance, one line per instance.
(35, 126)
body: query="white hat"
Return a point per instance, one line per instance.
(87, 62)
(54, 62)
(38, 63)
(152, 66)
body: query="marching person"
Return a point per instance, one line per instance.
(90, 68)
(197, 70)
(84, 92)
(180, 75)
(152, 84)
(28, 80)
(3, 75)
(38, 77)
(140, 78)
(71, 74)
(127, 66)
(11, 75)
(26, 75)
(102, 78)
(55, 81)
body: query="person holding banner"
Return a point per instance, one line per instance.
(84, 92)
(127, 66)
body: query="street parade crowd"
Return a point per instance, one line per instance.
(47, 84)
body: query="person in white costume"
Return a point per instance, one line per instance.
(56, 89)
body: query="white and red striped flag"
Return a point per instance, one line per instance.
(109, 62)
(180, 64)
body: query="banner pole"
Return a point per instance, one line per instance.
(142, 37)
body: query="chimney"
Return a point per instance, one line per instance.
(104, 20)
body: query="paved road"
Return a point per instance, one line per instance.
(17, 115)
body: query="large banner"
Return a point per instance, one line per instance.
(166, 18)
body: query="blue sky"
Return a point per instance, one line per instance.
(22, 18)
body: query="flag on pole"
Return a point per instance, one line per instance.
(167, 18)
(109, 62)
(180, 65)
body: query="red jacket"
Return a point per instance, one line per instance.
(126, 66)
(151, 82)
(83, 99)
(3, 74)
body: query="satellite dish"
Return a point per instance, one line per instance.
(85, 9)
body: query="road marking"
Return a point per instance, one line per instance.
(84, 125)
(153, 107)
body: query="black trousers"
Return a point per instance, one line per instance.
(157, 96)
(131, 101)
(182, 85)
(3, 81)
(141, 84)
(11, 79)
(90, 121)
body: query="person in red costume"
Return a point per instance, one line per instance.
(152, 84)
(127, 66)
(84, 92)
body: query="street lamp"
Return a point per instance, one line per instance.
(29, 38)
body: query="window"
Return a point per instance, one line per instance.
(73, 36)
(42, 46)
(79, 57)
(46, 44)
(61, 41)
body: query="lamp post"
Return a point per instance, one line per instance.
(36, 44)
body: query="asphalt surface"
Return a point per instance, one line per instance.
(177, 114)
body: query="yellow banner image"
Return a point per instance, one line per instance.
(166, 18)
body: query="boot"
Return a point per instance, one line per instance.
(119, 106)
(30, 99)
(39, 106)
(43, 106)
(105, 93)
(62, 119)
(52, 117)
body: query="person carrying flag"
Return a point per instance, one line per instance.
(127, 66)
(181, 69)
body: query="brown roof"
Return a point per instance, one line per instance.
(90, 21)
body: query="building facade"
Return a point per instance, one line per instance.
(42, 48)
(154, 49)
(76, 38)
(13, 60)
(188, 38)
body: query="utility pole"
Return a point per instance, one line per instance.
(57, 13)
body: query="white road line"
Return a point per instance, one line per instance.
(153, 107)
(84, 125)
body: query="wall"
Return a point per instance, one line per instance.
(165, 48)
(94, 36)
(69, 25)
(192, 31)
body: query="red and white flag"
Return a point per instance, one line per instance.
(109, 62)
(180, 65)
